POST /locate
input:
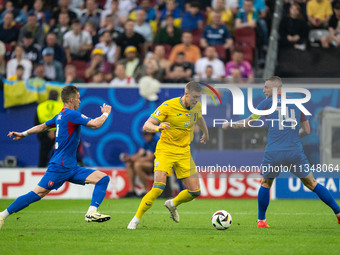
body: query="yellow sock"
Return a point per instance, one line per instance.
(149, 198)
(185, 196)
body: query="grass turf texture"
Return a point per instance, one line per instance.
(58, 227)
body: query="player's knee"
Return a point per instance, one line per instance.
(158, 188)
(195, 193)
(267, 183)
(309, 183)
(105, 180)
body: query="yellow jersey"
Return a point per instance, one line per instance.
(182, 121)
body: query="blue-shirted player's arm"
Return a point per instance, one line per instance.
(245, 122)
(34, 130)
(98, 122)
(305, 128)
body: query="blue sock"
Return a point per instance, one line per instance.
(263, 202)
(99, 191)
(23, 201)
(326, 197)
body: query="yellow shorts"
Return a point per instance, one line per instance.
(170, 157)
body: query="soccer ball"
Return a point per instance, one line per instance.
(221, 220)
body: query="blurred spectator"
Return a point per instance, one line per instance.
(97, 77)
(61, 27)
(216, 33)
(39, 71)
(98, 63)
(46, 111)
(32, 50)
(192, 52)
(9, 33)
(70, 75)
(171, 9)
(43, 16)
(59, 53)
(19, 73)
(319, 12)
(35, 28)
(2, 60)
(334, 29)
(142, 27)
(77, 43)
(141, 163)
(151, 68)
(90, 27)
(91, 13)
(131, 61)
(169, 34)
(293, 29)
(77, 4)
(108, 46)
(260, 7)
(239, 70)
(63, 7)
(209, 75)
(210, 59)
(246, 17)
(228, 4)
(124, 8)
(53, 68)
(192, 19)
(159, 55)
(19, 15)
(109, 25)
(112, 10)
(130, 38)
(227, 17)
(177, 75)
(188, 67)
(121, 79)
(150, 12)
(19, 60)
(302, 4)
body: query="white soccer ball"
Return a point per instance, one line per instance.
(221, 220)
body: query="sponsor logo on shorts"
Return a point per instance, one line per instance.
(50, 183)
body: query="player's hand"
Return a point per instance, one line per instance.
(17, 136)
(204, 138)
(225, 125)
(106, 108)
(164, 125)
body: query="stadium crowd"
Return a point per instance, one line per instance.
(173, 41)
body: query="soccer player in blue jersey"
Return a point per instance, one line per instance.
(63, 164)
(284, 148)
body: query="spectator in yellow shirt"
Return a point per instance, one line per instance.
(19, 73)
(319, 12)
(227, 18)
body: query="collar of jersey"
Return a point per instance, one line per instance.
(180, 101)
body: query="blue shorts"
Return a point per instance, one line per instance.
(275, 162)
(56, 176)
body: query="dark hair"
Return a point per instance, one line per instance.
(209, 66)
(181, 53)
(76, 21)
(53, 95)
(238, 50)
(20, 67)
(68, 92)
(193, 86)
(337, 6)
(195, 4)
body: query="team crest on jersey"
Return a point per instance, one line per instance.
(157, 113)
(186, 124)
(188, 114)
(84, 117)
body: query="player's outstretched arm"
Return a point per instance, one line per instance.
(98, 122)
(203, 126)
(239, 124)
(305, 129)
(34, 130)
(153, 126)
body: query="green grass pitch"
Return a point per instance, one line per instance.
(58, 227)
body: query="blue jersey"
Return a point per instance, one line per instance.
(216, 36)
(283, 131)
(67, 123)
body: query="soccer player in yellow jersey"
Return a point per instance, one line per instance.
(176, 119)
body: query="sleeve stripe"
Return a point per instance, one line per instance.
(156, 119)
